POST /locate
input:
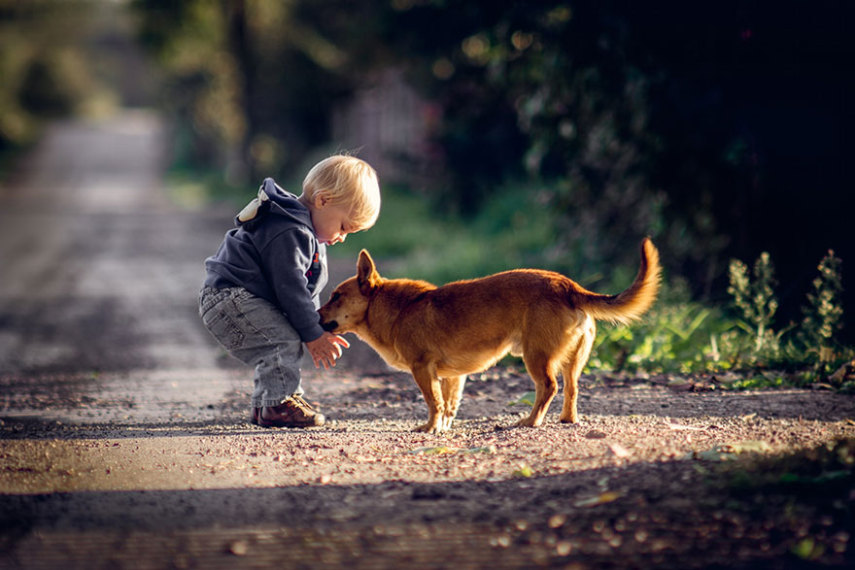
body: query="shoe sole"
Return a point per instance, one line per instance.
(288, 425)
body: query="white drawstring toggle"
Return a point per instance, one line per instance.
(251, 210)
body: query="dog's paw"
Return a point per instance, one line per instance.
(430, 428)
(527, 422)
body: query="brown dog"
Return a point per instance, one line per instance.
(440, 334)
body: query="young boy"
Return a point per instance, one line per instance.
(260, 296)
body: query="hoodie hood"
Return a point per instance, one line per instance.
(272, 199)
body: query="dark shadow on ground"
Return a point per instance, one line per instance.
(695, 520)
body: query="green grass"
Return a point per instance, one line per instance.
(193, 189)
(405, 225)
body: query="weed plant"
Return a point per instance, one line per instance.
(679, 335)
(823, 313)
(756, 301)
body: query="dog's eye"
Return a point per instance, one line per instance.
(335, 297)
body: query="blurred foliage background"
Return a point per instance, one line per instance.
(506, 133)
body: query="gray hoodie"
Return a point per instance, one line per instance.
(275, 255)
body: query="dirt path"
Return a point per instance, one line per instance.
(125, 441)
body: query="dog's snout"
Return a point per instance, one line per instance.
(329, 326)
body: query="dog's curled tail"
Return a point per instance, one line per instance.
(634, 301)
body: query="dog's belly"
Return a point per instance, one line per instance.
(474, 361)
(455, 360)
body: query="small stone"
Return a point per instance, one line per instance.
(595, 434)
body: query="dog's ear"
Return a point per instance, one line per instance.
(366, 273)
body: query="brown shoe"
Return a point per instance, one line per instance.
(292, 412)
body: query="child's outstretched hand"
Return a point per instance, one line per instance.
(325, 349)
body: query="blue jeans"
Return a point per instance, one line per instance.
(258, 334)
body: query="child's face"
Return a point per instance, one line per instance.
(332, 223)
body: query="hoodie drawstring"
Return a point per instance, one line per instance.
(251, 210)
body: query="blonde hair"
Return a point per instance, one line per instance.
(349, 182)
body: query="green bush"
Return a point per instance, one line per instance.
(675, 336)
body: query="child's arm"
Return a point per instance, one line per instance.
(326, 348)
(286, 258)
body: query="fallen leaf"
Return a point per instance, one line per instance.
(731, 450)
(523, 471)
(710, 455)
(527, 398)
(808, 549)
(601, 499)
(441, 450)
(485, 449)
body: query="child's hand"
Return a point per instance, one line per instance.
(326, 349)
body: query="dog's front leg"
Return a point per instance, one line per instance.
(428, 382)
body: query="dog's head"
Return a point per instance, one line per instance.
(348, 304)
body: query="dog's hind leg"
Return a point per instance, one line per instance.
(429, 384)
(452, 391)
(542, 372)
(574, 363)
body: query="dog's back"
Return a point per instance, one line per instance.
(511, 294)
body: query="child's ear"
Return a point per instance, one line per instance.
(366, 273)
(322, 199)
